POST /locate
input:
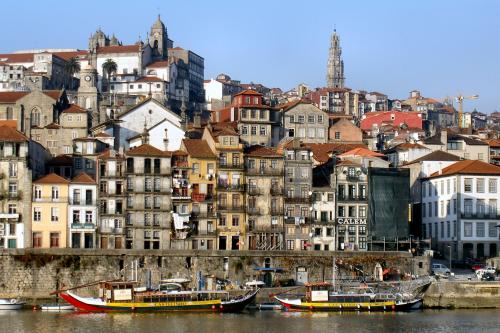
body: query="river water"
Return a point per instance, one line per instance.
(266, 321)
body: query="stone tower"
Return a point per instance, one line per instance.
(158, 39)
(87, 92)
(335, 71)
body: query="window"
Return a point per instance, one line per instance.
(157, 184)
(253, 113)
(341, 211)
(235, 221)
(292, 119)
(468, 185)
(243, 113)
(337, 135)
(262, 112)
(54, 239)
(492, 208)
(290, 244)
(352, 211)
(37, 239)
(78, 163)
(196, 168)
(430, 208)
(480, 208)
(435, 208)
(492, 229)
(12, 169)
(467, 229)
(424, 230)
(253, 130)
(12, 189)
(442, 229)
(480, 232)
(448, 229)
(442, 187)
(320, 132)
(311, 133)
(37, 214)
(70, 118)
(222, 221)
(454, 206)
(88, 216)
(480, 156)
(468, 207)
(320, 119)
(262, 130)
(54, 214)
(492, 185)
(448, 208)
(310, 119)
(244, 130)
(424, 210)
(448, 186)
(76, 216)
(55, 192)
(480, 185)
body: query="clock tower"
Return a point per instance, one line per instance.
(87, 92)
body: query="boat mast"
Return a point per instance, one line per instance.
(333, 273)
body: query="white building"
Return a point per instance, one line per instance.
(82, 212)
(460, 209)
(405, 152)
(323, 210)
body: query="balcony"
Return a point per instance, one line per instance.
(480, 216)
(201, 197)
(276, 211)
(230, 187)
(254, 191)
(180, 195)
(109, 230)
(265, 229)
(323, 221)
(180, 164)
(199, 232)
(298, 220)
(87, 226)
(51, 199)
(254, 211)
(264, 172)
(203, 215)
(351, 198)
(231, 208)
(230, 166)
(298, 199)
(78, 202)
(276, 191)
(11, 195)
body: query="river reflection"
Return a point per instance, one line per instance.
(283, 322)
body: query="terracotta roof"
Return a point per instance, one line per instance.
(198, 148)
(178, 152)
(10, 134)
(437, 155)
(66, 55)
(405, 146)
(248, 92)
(9, 123)
(107, 155)
(83, 178)
(61, 160)
(119, 49)
(12, 96)
(55, 94)
(17, 57)
(73, 108)
(348, 162)
(51, 178)
(149, 79)
(158, 64)
(493, 143)
(146, 150)
(364, 152)
(261, 151)
(468, 167)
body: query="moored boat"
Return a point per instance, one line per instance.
(57, 307)
(128, 297)
(320, 297)
(11, 304)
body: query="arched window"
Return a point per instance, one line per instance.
(10, 113)
(88, 103)
(35, 116)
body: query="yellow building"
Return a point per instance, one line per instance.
(202, 162)
(225, 143)
(50, 212)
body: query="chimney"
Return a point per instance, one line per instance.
(116, 135)
(165, 140)
(444, 137)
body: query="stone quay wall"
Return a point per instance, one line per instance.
(35, 273)
(463, 294)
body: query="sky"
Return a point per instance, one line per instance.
(442, 48)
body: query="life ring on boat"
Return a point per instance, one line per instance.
(13, 301)
(358, 306)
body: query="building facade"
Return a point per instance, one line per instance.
(82, 212)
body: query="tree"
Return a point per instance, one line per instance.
(72, 66)
(109, 67)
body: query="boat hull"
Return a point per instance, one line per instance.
(298, 305)
(92, 305)
(15, 306)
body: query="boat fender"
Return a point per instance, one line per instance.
(213, 307)
(358, 306)
(310, 307)
(221, 307)
(13, 301)
(340, 306)
(368, 307)
(133, 308)
(384, 307)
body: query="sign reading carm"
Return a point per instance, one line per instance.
(351, 221)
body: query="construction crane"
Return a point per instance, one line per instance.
(460, 99)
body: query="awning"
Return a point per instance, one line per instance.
(268, 269)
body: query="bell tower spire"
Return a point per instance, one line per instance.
(335, 69)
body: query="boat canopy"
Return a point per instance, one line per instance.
(269, 269)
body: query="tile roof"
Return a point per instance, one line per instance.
(361, 151)
(261, 151)
(119, 49)
(146, 150)
(495, 143)
(12, 96)
(158, 64)
(405, 146)
(73, 108)
(468, 167)
(437, 155)
(178, 152)
(149, 79)
(51, 178)
(348, 162)
(103, 135)
(248, 92)
(54, 94)
(53, 126)
(108, 155)
(468, 140)
(83, 178)
(17, 57)
(10, 134)
(66, 55)
(198, 148)
(9, 123)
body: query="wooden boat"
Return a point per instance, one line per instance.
(128, 297)
(11, 304)
(57, 307)
(320, 297)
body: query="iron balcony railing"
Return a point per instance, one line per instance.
(264, 172)
(229, 165)
(254, 211)
(480, 216)
(347, 198)
(230, 187)
(298, 199)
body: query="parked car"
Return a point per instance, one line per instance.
(440, 269)
(488, 277)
